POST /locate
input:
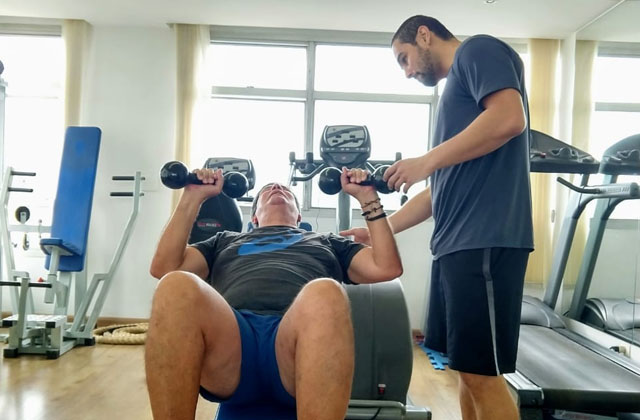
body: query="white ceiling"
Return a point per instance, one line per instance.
(504, 18)
(622, 24)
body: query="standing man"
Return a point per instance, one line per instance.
(479, 196)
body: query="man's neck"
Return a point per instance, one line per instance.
(449, 49)
(276, 222)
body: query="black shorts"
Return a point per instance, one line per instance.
(474, 309)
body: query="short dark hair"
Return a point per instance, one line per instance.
(407, 32)
(254, 204)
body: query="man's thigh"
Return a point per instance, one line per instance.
(223, 347)
(483, 294)
(320, 304)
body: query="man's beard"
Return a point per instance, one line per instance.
(427, 74)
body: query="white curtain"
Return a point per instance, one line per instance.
(542, 111)
(582, 109)
(191, 47)
(77, 39)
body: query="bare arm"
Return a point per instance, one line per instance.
(380, 261)
(172, 252)
(413, 212)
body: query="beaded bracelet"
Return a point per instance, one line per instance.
(373, 210)
(380, 216)
(368, 203)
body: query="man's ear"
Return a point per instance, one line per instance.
(254, 220)
(423, 36)
(299, 218)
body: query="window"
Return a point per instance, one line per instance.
(33, 132)
(617, 111)
(346, 68)
(257, 66)
(272, 98)
(263, 131)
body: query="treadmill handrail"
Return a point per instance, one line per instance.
(628, 190)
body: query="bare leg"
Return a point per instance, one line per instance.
(490, 396)
(193, 339)
(315, 351)
(467, 407)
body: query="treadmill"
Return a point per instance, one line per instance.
(560, 374)
(617, 317)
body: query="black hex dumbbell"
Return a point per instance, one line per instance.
(175, 175)
(330, 184)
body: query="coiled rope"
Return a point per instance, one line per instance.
(122, 334)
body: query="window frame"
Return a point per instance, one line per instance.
(618, 50)
(23, 27)
(309, 39)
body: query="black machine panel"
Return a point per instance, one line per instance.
(345, 145)
(623, 158)
(551, 155)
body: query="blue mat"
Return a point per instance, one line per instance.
(438, 360)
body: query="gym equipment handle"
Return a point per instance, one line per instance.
(578, 189)
(123, 194)
(124, 178)
(19, 173)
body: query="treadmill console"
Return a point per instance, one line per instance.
(551, 155)
(345, 145)
(623, 158)
(227, 164)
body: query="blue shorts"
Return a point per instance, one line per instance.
(259, 376)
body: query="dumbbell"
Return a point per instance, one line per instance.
(175, 175)
(330, 184)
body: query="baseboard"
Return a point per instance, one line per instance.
(102, 321)
(105, 321)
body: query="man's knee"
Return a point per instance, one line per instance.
(177, 288)
(477, 382)
(325, 297)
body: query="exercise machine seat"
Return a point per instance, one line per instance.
(216, 214)
(74, 198)
(612, 314)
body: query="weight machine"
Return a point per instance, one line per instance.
(65, 251)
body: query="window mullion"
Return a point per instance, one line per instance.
(309, 116)
(374, 97)
(617, 107)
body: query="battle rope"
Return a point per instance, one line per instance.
(122, 334)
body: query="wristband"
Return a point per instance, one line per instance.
(368, 203)
(380, 216)
(373, 210)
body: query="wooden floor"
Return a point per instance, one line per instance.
(107, 382)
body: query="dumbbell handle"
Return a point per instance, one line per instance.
(176, 175)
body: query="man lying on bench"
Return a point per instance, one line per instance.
(260, 316)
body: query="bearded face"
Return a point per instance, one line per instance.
(426, 67)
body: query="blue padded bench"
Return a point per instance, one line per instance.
(74, 199)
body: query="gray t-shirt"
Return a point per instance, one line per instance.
(264, 270)
(484, 202)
